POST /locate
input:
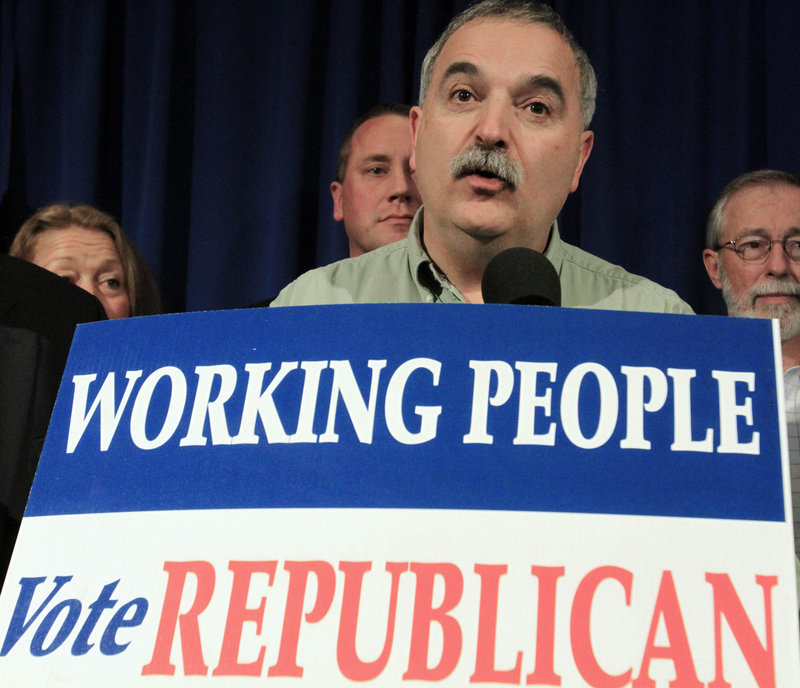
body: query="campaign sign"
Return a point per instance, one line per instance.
(410, 495)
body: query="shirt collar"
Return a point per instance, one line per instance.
(430, 281)
(418, 260)
(554, 252)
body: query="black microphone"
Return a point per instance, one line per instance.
(521, 276)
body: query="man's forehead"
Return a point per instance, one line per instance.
(381, 130)
(761, 206)
(757, 192)
(499, 38)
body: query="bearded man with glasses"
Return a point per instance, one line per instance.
(753, 256)
(753, 252)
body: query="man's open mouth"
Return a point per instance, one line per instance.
(484, 173)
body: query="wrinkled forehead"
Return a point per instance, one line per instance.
(65, 237)
(517, 49)
(53, 229)
(763, 209)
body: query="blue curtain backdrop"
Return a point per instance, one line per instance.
(210, 128)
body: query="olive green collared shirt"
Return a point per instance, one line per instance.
(403, 272)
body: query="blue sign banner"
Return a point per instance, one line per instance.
(418, 406)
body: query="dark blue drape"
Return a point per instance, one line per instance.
(210, 128)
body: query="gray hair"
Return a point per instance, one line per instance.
(523, 12)
(716, 221)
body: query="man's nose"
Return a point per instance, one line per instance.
(402, 186)
(492, 126)
(777, 261)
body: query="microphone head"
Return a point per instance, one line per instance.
(521, 275)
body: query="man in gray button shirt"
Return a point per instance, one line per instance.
(500, 138)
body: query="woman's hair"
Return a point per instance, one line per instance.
(139, 282)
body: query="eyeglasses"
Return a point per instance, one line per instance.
(756, 248)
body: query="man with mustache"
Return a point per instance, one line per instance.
(374, 194)
(500, 138)
(753, 256)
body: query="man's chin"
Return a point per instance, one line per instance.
(399, 227)
(485, 216)
(776, 310)
(787, 314)
(388, 233)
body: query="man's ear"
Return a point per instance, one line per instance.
(414, 119)
(336, 195)
(711, 261)
(587, 141)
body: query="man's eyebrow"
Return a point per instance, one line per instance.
(463, 67)
(540, 82)
(761, 231)
(750, 231)
(375, 157)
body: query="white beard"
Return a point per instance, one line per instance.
(744, 305)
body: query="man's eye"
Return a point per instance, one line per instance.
(752, 244)
(462, 95)
(538, 108)
(377, 170)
